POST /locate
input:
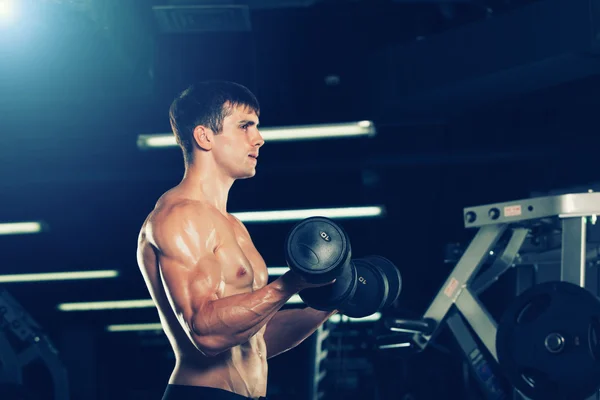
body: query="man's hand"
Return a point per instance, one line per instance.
(298, 282)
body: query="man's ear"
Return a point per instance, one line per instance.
(203, 137)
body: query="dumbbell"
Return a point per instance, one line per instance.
(320, 251)
(379, 284)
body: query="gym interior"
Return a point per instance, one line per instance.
(455, 138)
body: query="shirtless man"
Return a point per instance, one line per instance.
(201, 268)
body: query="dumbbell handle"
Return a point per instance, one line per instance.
(425, 326)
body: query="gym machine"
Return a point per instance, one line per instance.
(22, 345)
(547, 342)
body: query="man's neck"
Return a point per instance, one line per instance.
(207, 184)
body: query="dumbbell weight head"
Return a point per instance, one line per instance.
(393, 277)
(377, 280)
(318, 249)
(371, 292)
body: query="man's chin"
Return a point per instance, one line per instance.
(247, 175)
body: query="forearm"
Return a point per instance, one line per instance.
(233, 320)
(288, 328)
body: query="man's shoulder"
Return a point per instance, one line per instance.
(180, 213)
(170, 225)
(176, 229)
(239, 222)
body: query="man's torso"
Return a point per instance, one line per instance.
(242, 369)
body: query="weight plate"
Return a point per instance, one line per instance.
(393, 277)
(317, 248)
(371, 291)
(331, 297)
(548, 342)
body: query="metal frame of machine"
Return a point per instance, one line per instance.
(34, 346)
(527, 223)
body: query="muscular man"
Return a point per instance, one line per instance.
(199, 263)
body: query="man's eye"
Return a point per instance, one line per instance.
(245, 126)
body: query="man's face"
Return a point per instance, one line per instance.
(236, 147)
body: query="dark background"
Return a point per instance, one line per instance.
(474, 102)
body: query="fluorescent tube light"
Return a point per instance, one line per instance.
(59, 276)
(18, 228)
(394, 346)
(106, 305)
(284, 133)
(323, 131)
(295, 299)
(134, 327)
(277, 271)
(296, 215)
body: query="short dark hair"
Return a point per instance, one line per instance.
(206, 103)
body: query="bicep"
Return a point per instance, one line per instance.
(190, 286)
(189, 270)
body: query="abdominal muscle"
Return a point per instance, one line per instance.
(241, 369)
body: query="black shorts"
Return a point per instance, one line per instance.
(184, 392)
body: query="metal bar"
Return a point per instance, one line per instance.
(60, 377)
(477, 360)
(567, 205)
(11, 371)
(317, 359)
(466, 268)
(555, 256)
(526, 278)
(502, 263)
(591, 277)
(28, 355)
(573, 251)
(593, 397)
(479, 318)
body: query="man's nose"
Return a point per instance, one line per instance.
(258, 141)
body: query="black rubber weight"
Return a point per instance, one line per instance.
(317, 248)
(371, 290)
(332, 297)
(393, 276)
